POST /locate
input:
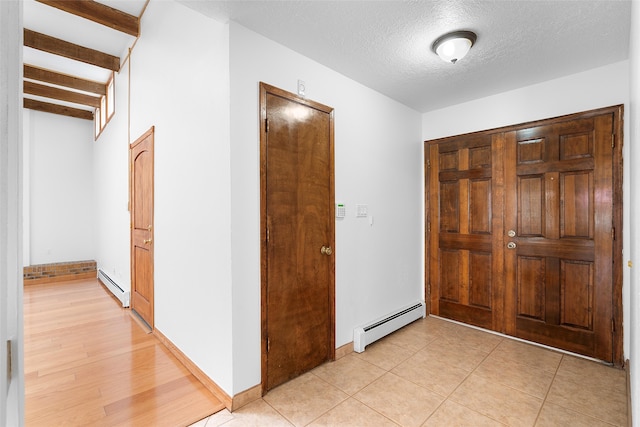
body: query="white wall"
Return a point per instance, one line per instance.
(633, 191)
(600, 87)
(377, 162)
(180, 85)
(61, 188)
(111, 184)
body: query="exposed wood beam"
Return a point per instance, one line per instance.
(57, 109)
(100, 13)
(69, 50)
(61, 94)
(48, 76)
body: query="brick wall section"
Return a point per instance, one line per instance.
(59, 271)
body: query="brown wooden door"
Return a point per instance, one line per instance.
(560, 205)
(521, 231)
(297, 203)
(464, 228)
(142, 226)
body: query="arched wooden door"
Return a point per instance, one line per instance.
(141, 156)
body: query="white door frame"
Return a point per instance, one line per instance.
(11, 322)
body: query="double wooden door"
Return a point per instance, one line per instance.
(521, 231)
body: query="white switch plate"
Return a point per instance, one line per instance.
(362, 211)
(302, 88)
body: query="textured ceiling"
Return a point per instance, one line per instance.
(386, 45)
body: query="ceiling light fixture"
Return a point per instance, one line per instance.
(452, 47)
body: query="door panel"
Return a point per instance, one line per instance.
(520, 231)
(142, 227)
(557, 235)
(480, 279)
(298, 201)
(462, 221)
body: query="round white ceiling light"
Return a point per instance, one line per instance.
(453, 46)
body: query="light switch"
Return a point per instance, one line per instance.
(362, 211)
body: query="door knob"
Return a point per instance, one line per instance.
(147, 241)
(326, 250)
(511, 245)
(511, 233)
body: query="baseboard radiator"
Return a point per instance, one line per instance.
(116, 290)
(365, 335)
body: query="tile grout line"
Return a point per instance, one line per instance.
(447, 398)
(388, 371)
(374, 409)
(549, 389)
(337, 388)
(465, 379)
(419, 385)
(278, 412)
(594, 417)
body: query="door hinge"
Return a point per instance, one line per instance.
(267, 234)
(613, 233)
(429, 227)
(613, 325)
(268, 344)
(266, 125)
(428, 164)
(613, 140)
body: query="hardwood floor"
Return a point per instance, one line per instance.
(87, 362)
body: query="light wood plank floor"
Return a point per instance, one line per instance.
(87, 362)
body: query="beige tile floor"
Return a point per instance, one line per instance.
(439, 373)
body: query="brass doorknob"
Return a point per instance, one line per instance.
(147, 241)
(511, 245)
(326, 250)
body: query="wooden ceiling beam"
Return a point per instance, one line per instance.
(61, 94)
(48, 76)
(99, 13)
(57, 109)
(69, 50)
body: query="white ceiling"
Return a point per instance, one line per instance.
(386, 45)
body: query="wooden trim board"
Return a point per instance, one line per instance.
(246, 397)
(344, 350)
(195, 371)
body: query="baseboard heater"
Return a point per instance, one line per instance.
(113, 287)
(365, 335)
